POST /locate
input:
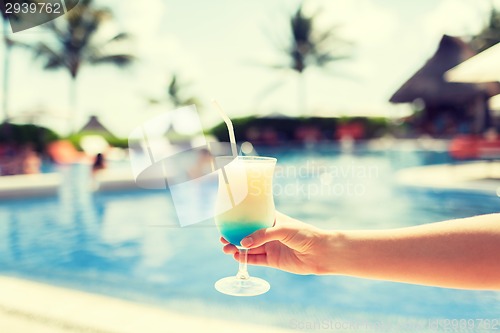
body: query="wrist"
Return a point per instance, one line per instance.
(336, 251)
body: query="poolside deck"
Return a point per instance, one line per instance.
(480, 176)
(23, 186)
(31, 307)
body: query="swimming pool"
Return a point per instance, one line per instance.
(128, 245)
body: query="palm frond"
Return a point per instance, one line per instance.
(279, 66)
(120, 60)
(74, 41)
(309, 46)
(177, 92)
(301, 27)
(173, 89)
(153, 101)
(51, 59)
(490, 34)
(123, 36)
(326, 59)
(329, 35)
(279, 41)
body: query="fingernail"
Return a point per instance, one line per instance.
(247, 242)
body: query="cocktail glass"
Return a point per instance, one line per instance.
(241, 215)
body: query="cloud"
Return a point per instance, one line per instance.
(144, 20)
(360, 21)
(159, 51)
(456, 18)
(368, 26)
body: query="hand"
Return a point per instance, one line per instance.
(289, 245)
(432, 254)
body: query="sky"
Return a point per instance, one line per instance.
(224, 50)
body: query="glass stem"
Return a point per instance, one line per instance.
(242, 270)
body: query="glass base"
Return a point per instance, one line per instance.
(242, 287)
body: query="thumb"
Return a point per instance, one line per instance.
(262, 236)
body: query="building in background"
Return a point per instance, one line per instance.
(447, 108)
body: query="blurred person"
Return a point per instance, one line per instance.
(99, 163)
(462, 253)
(30, 161)
(9, 160)
(491, 134)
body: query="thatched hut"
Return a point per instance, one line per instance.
(95, 126)
(448, 107)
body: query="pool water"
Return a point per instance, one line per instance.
(128, 244)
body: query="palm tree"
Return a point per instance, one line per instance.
(6, 66)
(76, 43)
(8, 45)
(490, 34)
(176, 94)
(308, 47)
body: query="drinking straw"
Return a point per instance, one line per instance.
(230, 127)
(232, 140)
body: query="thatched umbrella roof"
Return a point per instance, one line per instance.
(429, 84)
(95, 126)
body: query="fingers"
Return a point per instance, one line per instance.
(253, 259)
(231, 249)
(263, 236)
(280, 231)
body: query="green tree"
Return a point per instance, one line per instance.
(177, 94)
(490, 34)
(308, 46)
(75, 42)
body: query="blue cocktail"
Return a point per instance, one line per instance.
(245, 204)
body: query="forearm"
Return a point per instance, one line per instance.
(459, 254)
